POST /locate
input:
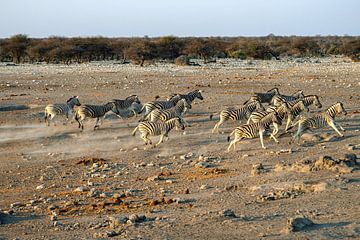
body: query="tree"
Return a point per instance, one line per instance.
(16, 47)
(140, 51)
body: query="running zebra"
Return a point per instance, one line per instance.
(238, 114)
(283, 110)
(321, 120)
(296, 96)
(295, 111)
(94, 111)
(190, 97)
(67, 109)
(254, 130)
(264, 97)
(147, 129)
(178, 111)
(130, 103)
(148, 107)
(308, 101)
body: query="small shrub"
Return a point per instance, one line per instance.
(182, 60)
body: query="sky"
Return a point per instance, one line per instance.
(137, 18)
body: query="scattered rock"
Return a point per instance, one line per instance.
(202, 165)
(90, 161)
(40, 187)
(17, 204)
(153, 178)
(298, 224)
(257, 169)
(82, 189)
(228, 213)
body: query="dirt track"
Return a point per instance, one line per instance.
(183, 186)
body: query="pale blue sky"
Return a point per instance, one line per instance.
(128, 18)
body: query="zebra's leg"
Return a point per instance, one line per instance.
(289, 120)
(216, 127)
(233, 143)
(96, 124)
(273, 137)
(332, 124)
(51, 116)
(185, 122)
(338, 125)
(46, 118)
(161, 140)
(261, 134)
(276, 129)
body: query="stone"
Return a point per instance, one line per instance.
(40, 187)
(227, 213)
(298, 224)
(17, 204)
(153, 178)
(202, 165)
(81, 189)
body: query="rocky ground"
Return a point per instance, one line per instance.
(57, 182)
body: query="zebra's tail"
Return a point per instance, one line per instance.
(134, 132)
(232, 133)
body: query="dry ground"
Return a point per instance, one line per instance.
(41, 167)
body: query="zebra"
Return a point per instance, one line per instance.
(295, 96)
(67, 109)
(295, 111)
(264, 97)
(158, 128)
(238, 114)
(190, 97)
(131, 103)
(326, 118)
(308, 101)
(178, 111)
(283, 110)
(148, 107)
(254, 130)
(94, 111)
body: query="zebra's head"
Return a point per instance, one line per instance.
(301, 105)
(339, 107)
(316, 101)
(277, 100)
(133, 98)
(274, 91)
(255, 101)
(198, 94)
(74, 101)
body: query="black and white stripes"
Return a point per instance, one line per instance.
(147, 129)
(238, 114)
(254, 130)
(67, 109)
(94, 111)
(321, 120)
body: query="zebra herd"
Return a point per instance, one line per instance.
(160, 117)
